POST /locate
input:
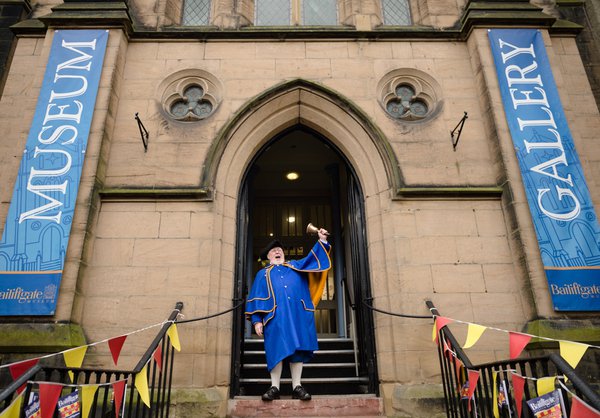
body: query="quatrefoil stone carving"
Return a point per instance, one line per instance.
(409, 95)
(190, 95)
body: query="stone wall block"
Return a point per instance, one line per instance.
(490, 223)
(315, 69)
(247, 70)
(466, 278)
(166, 252)
(128, 225)
(112, 252)
(446, 222)
(295, 50)
(434, 250)
(174, 225)
(326, 50)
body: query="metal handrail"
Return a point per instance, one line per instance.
(454, 407)
(154, 344)
(161, 387)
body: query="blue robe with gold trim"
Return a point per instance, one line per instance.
(281, 298)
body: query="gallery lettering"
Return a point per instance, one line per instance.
(60, 124)
(527, 89)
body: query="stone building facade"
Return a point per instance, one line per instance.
(429, 221)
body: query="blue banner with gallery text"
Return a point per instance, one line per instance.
(38, 224)
(559, 200)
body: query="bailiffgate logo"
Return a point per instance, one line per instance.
(29, 296)
(575, 288)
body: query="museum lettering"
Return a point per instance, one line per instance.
(60, 125)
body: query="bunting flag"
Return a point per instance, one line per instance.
(141, 384)
(74, 358)
(500, 401)
(115, 345)
(87, 399)
(518, 387)
(473, 378)
(440, 322)
(457, 368)
(517, 343)
(49, 394)
(572, 352)
(495, 394)
(174, 337)
(158, 356)
(474, 332)
(118, 392)
(545, 385)
(17, 370)
(14, 409)
(580, 409)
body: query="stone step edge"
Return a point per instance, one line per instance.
(320, 406)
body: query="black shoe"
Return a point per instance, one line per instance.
(301, 393)
(271, 394)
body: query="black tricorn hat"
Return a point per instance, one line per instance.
(273, 244)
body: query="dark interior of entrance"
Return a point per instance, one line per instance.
(292, 185)
(296, 179)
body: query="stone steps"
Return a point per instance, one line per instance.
(355, 406)
(332, 371)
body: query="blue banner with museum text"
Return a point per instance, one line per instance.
(559, 200)
(38, 224)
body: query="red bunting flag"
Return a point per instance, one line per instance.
(580, 409)
(440, 322)
(517, 343)
(118, 391)
(473, 378)
(518, 387)
(158, 357)
(49, 394)
(115, 345)
(17, 369)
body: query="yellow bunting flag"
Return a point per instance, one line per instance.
(87, 399)
(572, 352)
(14, 410)
(174, 337)
(545, 385)
(74, 358)
(141, 384)
(495, 396)
(473, 334)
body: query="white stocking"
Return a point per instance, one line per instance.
(276, 375)
(296, 369)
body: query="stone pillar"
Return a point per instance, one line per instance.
(11, 12)
(231, 14)
(363, 15)
(524, 243)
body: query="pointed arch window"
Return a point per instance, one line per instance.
(396, 12)
(295, 13)
(196, 12)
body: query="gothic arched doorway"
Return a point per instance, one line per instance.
(328, 194)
